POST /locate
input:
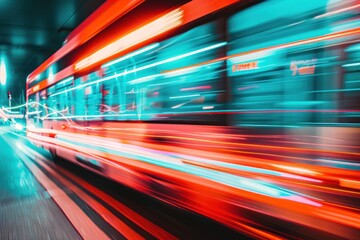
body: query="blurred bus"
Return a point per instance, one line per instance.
(177, 99)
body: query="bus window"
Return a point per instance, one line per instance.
(80, 103)
(62, 100)
(257, 88)
(181, 90)
(93, 97)
(112, 104)
(351, 87)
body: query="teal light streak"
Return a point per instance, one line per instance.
(355, 81)
(144, 79)
(185, 96)
(15, 107)
(353, 48)
(146, 67)
(302, 103)
(188, 70)
(230, 165)
(340, 163)
(339, 90)
(334, 124)
(268, 125)
(351, 65)
(260, 187)
(243, 183)
(133, 54)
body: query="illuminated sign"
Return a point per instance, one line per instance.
(303, 67)
(244, 66)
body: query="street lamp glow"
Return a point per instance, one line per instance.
(3, 74)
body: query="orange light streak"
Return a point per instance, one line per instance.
(108, 216)
(257, 233)
(81, 222)
(128, 212)
(98, 20)
(152, 29)
(297, 169)
(199, 8)
(349, 183)
(190, 17)
(338, 11)
(340, 216)
(324, 212)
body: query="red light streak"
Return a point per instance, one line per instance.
(99, 20)
(256, 233)
(199, 8)
(108, 216)
(102, 17)
(196, 88)
(327, 211)
(191, 14)
(128, 212)
(339, 215)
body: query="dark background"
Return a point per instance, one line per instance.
(30, 32)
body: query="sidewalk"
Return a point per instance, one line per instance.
(26, 209)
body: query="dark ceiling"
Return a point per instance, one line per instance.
(31, 31)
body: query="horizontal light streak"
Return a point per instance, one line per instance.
(335, 35)
(33, 113)
(98, 116)
(185, 96)
(297, 169)
(166, 160)
(248, 111)
(351, 64)
(144, 79)
(243, 168)
(181, 72)
(133, 54)
(146, 67)
(66, 80)
(340, 163)
(339, 90)
(349, 183)
(9, 111)
(157, 27)
(129, 213)
(354, 81)
(337, 11)
(108, 12)
(260, 187)
(196, 88)
(77, 217)
(15, 107)
(252, 55)
(262, 52)
(191, 69)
